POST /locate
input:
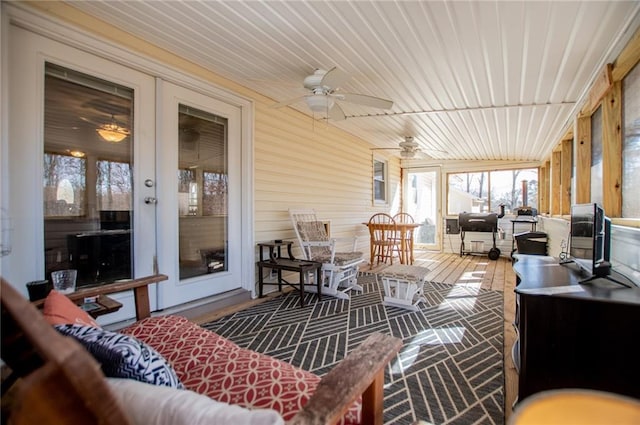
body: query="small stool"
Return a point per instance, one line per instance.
(404, 285)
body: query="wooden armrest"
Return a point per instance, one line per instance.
(140, 288)
(360, 373)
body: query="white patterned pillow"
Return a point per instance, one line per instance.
(123, 356)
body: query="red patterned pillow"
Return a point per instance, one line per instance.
(212, 365)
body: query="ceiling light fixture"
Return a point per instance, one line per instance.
(319, 102)
(76, 153)
(112, 132)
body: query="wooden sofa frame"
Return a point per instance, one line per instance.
(56, 381)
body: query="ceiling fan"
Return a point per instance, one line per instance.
(409, 148)
(325, 95)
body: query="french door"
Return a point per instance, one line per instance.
(76, 196)
(199, 153)
(422, 201)
(107, 164)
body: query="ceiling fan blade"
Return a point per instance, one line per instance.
(362, 99)
(336, 113)
(287, 102)
(334, 78)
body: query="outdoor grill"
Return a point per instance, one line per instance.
(480, 222)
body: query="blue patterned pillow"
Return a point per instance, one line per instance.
(123, 356)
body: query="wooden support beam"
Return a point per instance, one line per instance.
(542, 192)
(628, 58)
(612, 151)
(556, 167)
(583, 159)
(547, 187)
(599, 89)
(565, 175)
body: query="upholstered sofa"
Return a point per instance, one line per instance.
(205, 363)
(212, 365)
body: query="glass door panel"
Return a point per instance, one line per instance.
(422, 202)
(87, 186)
(202, 192)
(199, 164)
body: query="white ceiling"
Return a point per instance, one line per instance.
(479, 80)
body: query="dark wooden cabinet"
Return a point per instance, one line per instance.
(572, 334)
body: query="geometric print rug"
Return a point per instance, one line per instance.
(449, 370)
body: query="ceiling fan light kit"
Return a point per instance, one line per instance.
(112, 132)
(319, 102)
(325, 97)
(408, 144)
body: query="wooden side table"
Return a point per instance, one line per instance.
(140, 287)
(302, 267)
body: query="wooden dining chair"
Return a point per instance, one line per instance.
(404, 237)
(382, 229)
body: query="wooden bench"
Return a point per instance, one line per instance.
(57, 381)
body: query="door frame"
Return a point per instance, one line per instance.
(55, 29)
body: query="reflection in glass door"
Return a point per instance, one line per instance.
(202, 192)
(88, 182)
(422, 202)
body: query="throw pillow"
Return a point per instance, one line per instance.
(123, 356)
(151, 405)
(60, 310)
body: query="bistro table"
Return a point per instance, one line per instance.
(406, 231)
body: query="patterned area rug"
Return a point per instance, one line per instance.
(449, 370)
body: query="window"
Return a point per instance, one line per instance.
(64, 185)
(468, 192)
(214, 193)
(114, 186)
(484, 191)
(186, 182)
(379, 182)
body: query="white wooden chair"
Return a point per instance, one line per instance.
(339, 268)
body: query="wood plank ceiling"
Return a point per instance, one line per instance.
(470, 80)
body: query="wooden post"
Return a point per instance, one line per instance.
(544, 176)
(565, 175)
(556, 165)
(373, 401)
(612, 151)
(583, 159)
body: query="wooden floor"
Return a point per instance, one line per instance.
(473, 270)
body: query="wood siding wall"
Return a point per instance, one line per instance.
(302, 164)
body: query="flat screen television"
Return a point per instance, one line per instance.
(590, 240)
